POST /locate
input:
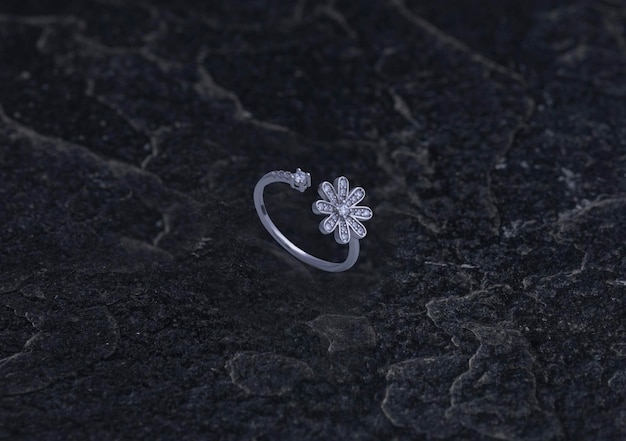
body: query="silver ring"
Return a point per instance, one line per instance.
(338, 204)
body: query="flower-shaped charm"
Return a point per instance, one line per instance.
(340, 205)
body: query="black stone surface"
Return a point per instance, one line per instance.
(142, 299)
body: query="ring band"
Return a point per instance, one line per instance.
(338, 204)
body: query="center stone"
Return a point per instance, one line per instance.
(343, 210)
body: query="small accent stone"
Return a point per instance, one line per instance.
(299, 177)
(343, 210)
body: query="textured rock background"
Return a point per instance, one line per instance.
(140, 298)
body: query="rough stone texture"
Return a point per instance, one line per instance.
(266, 373)
(140, 298)
(344, 332)
(418, 394)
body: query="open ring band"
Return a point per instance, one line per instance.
(338, 204)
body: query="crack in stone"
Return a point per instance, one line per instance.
(329, 10)
(208, 88)
(453, 42)
(513, 134)
(119, 168)
(418, 394)
(344, 332)
(496, 396)
(84, 336)
(402, 107)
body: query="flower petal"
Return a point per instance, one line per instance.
(361, 213)
(323, 207)
(327, 191)
(342, 185)
(329, 224)
(342, 233)
(355, 196)
(357, 227)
